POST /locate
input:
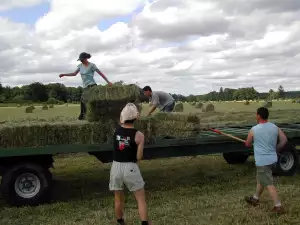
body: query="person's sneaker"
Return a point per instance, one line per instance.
(277, 209)
(252, 201)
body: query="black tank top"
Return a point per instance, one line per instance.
(125, 148)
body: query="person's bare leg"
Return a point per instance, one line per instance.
(142, 206)
(119, 204)
(274, 195)
(259, 190)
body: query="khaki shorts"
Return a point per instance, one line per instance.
(264, 174)
(125, 173)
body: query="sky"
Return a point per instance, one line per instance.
(177, 46)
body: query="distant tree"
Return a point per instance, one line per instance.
(280, 91)
(221, 95)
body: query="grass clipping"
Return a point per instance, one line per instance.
(107, 102)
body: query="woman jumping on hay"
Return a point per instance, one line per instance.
(86, 70)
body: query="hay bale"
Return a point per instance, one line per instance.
(247, 103)
(268, 104)
(42, 133)
(161, 116)
(44, 107)
(29, 109)
(208, 108)
(19, 105)
(108, 101)
(51, 106)
(179, 107)
(199, 105)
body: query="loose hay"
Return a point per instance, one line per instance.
(247, 103)
(179, 107)
(208, 108)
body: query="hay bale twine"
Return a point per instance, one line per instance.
(29, 109)
(179, 107)
(267, 104)
(208, 108)
(44, 107)
(247, 103)
(51, 106)
(199, 105)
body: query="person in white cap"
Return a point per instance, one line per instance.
(128, 151)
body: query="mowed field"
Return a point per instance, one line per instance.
(195, 191)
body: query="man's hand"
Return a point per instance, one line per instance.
(110, 84)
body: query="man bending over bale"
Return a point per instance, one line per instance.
(128, 151)
(265, 136)
(164, 101)
(86, 70)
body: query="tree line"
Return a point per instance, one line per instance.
(59, 93)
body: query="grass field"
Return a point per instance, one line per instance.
(181, 191)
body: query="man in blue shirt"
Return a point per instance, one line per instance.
(264, 137)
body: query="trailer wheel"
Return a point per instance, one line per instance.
(288, 160)
(27, 184)
(235, 157)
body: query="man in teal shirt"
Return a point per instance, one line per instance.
(265, 137)
(86, 70)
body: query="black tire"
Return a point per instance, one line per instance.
(235, 157)
(288, 161)
(11, 190)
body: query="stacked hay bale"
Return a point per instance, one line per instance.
(208, 108)
(104, 108)
(51, 106)
(108, 101)
(179, 107)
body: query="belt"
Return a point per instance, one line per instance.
(91, 85)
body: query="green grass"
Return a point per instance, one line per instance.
(201, 190)
(181, 191)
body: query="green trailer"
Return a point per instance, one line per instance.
(26, 179)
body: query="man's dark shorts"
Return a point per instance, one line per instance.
(169, 107)
(264, 174)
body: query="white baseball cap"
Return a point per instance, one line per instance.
(129, 112)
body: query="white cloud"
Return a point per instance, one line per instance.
(9, 4)
(182, 46)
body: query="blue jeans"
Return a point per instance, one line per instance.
(169, 107)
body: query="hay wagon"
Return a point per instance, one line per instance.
(26, 179)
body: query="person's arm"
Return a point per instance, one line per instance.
(154, 103)
(101, 74)
(70, 74)
(249, 139)
(139, 140)
(282, 140)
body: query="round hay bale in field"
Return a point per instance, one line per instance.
(208, 108)
(29, 109)
(268, 104)
(247, 103)
(51, 106)
(179, 107)
(44, 107)
(199, 105)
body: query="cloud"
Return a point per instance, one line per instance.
(9, 4)
(179, 46)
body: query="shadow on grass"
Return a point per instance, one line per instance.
(91, 183)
